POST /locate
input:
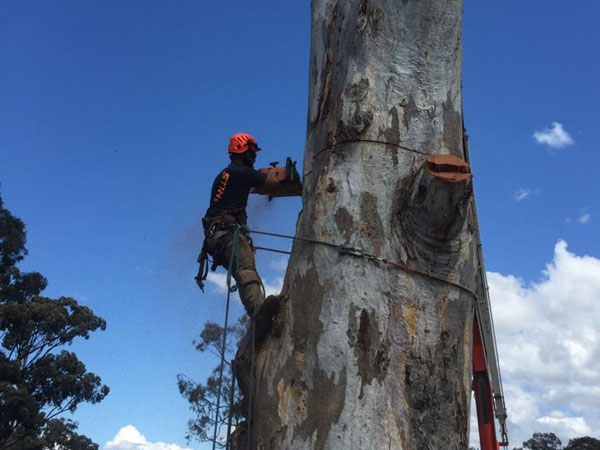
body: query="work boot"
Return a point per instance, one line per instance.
(264, 318)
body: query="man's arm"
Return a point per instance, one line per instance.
(271, 182)
(263, 180)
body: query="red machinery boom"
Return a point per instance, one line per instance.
(484, 399)
(487, 382)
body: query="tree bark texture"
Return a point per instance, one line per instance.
(371, 356)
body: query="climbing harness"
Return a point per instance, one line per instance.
(212, 227)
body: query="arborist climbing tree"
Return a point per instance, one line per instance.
(227, 213)
(227, 241)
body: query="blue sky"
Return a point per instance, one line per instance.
(114, 120)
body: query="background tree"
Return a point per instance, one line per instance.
(549, 441)
(39, 379)
(583, 443)
(374, 355)
(202, 397)
(542, 441)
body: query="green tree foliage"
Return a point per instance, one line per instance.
(549, 441)
(542, 441)
(583, 443)
(39, 379)
(202, 397)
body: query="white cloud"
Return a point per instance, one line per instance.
(563, 424)
(522, 193)
(525, 193)
(129, 438)
(555, 137)
(218, 281)
(549, 347)
(584, 218)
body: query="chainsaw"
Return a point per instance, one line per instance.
(290, 184)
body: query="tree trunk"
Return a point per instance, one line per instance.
(373, 355)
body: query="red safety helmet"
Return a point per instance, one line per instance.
(241, 142)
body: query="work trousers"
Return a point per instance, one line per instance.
(220, 246)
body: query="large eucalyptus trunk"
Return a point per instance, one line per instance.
(373, 355)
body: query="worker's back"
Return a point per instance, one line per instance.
(230, 190)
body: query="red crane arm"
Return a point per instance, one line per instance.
(483, 394)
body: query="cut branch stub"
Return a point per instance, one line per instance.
(448, 168)
(436, 211)
(439, 197)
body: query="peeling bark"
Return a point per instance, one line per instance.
(369, 356)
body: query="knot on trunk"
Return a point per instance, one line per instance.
(433, 211)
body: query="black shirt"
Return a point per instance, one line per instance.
(230, 191)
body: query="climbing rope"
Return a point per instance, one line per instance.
(230, 289)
